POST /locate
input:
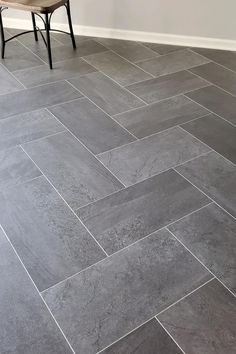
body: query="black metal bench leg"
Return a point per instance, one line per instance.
(34, 27)
(47, 27)
(2, 34)
(70, 24)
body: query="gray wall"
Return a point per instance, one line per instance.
(203, 18)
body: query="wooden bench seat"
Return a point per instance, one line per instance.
(39, 6)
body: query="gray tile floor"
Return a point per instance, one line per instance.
(117, 199)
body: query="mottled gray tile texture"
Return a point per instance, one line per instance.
(145, 158)
(129, 215)
(205, 321)
(26, 326)
(48, 237)
(78, 176)
(103, 303)
(90, 125)
(215, 176)
(117, 196)
(160, 116)
(150, 338)
(166, 86)
(106, 94)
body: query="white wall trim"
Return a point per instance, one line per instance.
(152, 37)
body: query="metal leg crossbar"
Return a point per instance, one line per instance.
(47, 28)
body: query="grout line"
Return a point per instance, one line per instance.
(125, 335)
(167, 169)
(24, 182)
(38, 57)
(192, 212)
(168, 333)
(151, 135)
(207, 61)
(86, 148)
(40, 108)
(163, 99)
(166, 54)
(181, 127)
(134, 184)
(207, 108)
(103, 111)
(30, 68)
(54, 81)
(65, 201)
(42, 299)
(131, 109)
(174, 168)
(167, 228)
(124, 248)
(152, 318)
(13, 76)
(125, 59)
(61, 103)
(211, 83)
(179, 94)
(136, 141)
(38, 139)
(123, 87)
(130, 62)
(185, 296)
(213, 61)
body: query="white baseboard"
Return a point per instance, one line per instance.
(151, 37)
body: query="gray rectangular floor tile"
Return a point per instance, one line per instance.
(215, 176)
(36, 98)
(16, 167)
(172, 62)
(217, 75)
(26, 127)
(117, 68)
(142, 159)
(216, 100)
(125, 217)
(166, 86)
(129, 50)
(160, 116)
(17, 57)
(204, 322)
(91, 125)
(223, 57)
(65, 52)
(150, 338)
(215, 132)
(26, 325)
(62, 70)
(8, 82)
(48, 237)
(109, 96)
(76, 173)
(210, 235)
(163, 48)
(103, 303)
